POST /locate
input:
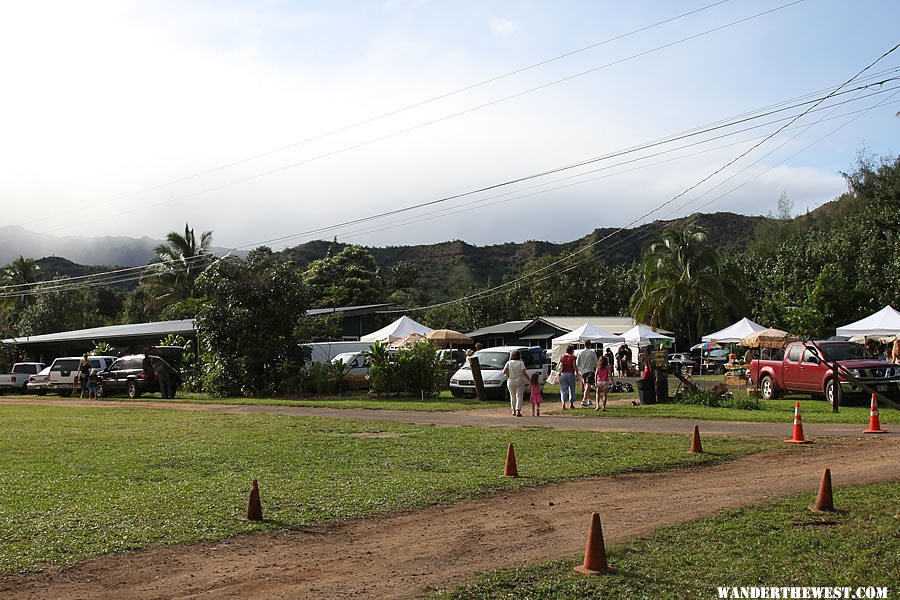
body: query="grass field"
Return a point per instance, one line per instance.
(775, 544)
(84, 482)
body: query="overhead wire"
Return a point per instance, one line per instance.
(652, 211)
(9, 290)
(403, 109)
(146, 206)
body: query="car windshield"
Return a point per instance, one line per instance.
(845, 351)
(491, 360)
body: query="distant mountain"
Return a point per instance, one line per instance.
(450, 269)
(107, 250)
(446, 269)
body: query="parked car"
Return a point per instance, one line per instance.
(64, 372)
(714, 361)
(802, 370)
(17, 379)
(358, 375)
(680, 360)
(133, 375)
(39, 382)
(492, 361)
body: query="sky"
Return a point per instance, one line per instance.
(273, 121)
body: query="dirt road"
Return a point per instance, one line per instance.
(404, 555)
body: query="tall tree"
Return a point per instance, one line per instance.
(350, 277)
(180, 260)
(683, 284)
(21, 275)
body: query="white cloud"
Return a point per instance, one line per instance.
(501, 26)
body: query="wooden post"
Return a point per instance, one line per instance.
(476, 377)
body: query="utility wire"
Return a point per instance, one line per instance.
(370, 141)
(9, 290)
(406, 108)
(661, 206)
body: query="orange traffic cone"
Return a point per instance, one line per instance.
(254, 507)
(696, 446)
(798, 429)
(874, 421)
(595, 552)
(511, 470)
(824, 502)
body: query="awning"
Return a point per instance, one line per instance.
(536, 336)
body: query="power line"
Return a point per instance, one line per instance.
(5, 291)
(403, 109)
(370, 141)
(661, 206)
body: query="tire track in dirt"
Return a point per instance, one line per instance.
(406, 554)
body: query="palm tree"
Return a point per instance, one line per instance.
(682, 281)
(21, 275)
(181, 259)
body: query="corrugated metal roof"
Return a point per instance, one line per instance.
(111, 332)
(508, 327)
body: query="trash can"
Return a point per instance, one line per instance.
(646, 391)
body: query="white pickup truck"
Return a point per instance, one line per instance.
(17, 380)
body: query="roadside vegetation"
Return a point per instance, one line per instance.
(774, 544)
(80, 483)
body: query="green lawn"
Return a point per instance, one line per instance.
(775, 544)
(79, 483)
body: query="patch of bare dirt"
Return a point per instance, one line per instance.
(407, 554)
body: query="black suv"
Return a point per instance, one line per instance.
(134, 374)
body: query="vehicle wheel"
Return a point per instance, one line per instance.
(829, 392)
(41, 393)
(767, 388)
(133, 391)
(100, 390)
(505, 393)
(25, 389)
(65, 393)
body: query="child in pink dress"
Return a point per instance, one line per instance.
(535, 393)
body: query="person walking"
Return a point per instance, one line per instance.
(604, 380)
(567, 377)
(610, 359)
(535, 396)
(516, 380)
(586, 364)
(163, 372)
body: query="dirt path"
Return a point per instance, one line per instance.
(489, 418)
(405, 555)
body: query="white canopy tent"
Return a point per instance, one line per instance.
(641, 335)
(885, 322)
(399, 329)
(733, 334)
(586, 332)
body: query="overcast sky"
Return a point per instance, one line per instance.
(106, 105)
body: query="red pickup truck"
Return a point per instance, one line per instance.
(801, 369)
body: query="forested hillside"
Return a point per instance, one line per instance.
(449, 269)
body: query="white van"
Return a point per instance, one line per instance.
(492, 361)
(358, 376)
(64, 371)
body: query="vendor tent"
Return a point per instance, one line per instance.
(885, 322)
(586, 332)
(641, 335)
(733, 333)
(399, 329)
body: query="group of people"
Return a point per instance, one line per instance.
(889, 352)
(591, 371)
